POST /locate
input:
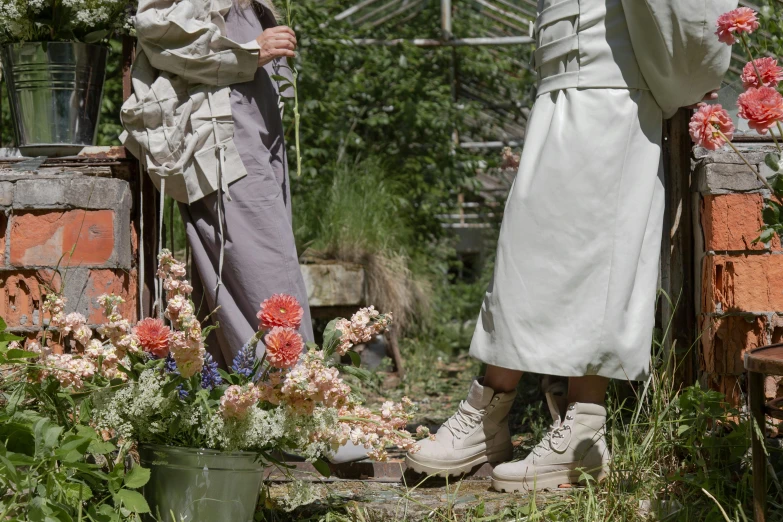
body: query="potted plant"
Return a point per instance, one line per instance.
(206, 434)
(54, 55)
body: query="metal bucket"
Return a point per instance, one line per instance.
(198, 485)
(55, 91)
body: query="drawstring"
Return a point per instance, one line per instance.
(222, 188)
(158, 286)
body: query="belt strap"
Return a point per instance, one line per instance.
(556, 50)
(555, 13)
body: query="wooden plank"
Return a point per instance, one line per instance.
(677, 256)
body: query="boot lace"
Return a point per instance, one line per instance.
(556, 431)
(464, 420)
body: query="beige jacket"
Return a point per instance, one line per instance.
(178, 120)
(676, 47)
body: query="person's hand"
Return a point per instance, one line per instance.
(277, 42)
(710, 96)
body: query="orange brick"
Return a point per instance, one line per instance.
(733, 222)
(119, 282)
(21, 294)
(45, 238)
(746, 283)
(725, 340)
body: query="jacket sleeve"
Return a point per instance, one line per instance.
(182, 37)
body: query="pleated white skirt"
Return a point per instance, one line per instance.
(576, 272)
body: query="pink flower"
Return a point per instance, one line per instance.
(236, 402)
(741, 20)
(762, 107)
(188, 353)
(771, 73)
(283, 347)
(153, 336)
(705, 124)
(280, 310)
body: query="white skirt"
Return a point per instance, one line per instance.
(576, 272)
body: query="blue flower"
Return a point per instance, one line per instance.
(171, 367)
(244, 360)
(209, 373)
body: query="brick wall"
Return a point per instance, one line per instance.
(69, 228)
(739, 284)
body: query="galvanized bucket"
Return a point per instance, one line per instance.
(197, 485)
(55, 91)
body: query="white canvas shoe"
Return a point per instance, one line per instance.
(475, 434)
(574, 446)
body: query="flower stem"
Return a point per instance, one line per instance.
(746, 45)
(294, 76)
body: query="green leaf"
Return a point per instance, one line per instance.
(766, 235)
(323, 468)
(278, 78)
(96, 36)
(7, 337)
(331, 337)
(3, 325)
(15, 353)
(133, 500)
(359, 373)
(682, 429)
(356, 360)
(99, 447)
(774, 162)
(137, 477)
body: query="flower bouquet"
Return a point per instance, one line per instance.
(153, 384)
(761, 105)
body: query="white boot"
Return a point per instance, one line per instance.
(573, 446)
(476, 434)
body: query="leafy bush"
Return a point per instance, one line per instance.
(54, 466)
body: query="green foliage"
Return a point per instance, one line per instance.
(88, 21)
(53, 465)
(393, 105)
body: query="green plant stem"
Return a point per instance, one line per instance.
(294, 75)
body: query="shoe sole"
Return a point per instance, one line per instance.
(459, 468)
(545, 481)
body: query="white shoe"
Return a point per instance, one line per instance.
(572, 448)
(475, 434)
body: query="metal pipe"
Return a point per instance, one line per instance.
(445, 19)
(457, 42)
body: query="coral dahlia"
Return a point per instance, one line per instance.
(706, 124)
(740, 20)
(771, 73)
(283, 347)
(280, 310)
(153, 336)
(762, 107)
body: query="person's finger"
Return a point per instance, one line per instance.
(281, 29)
(284, 44)
(277, 53)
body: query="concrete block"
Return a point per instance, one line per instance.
(754, 152)
(6, 193)
(70, 192)
(724, 178)
(40, 193)
(335, 284)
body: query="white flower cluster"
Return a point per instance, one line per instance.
(32, 20)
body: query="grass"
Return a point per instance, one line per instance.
(679, 454)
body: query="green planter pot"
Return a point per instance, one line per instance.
(196, 485)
